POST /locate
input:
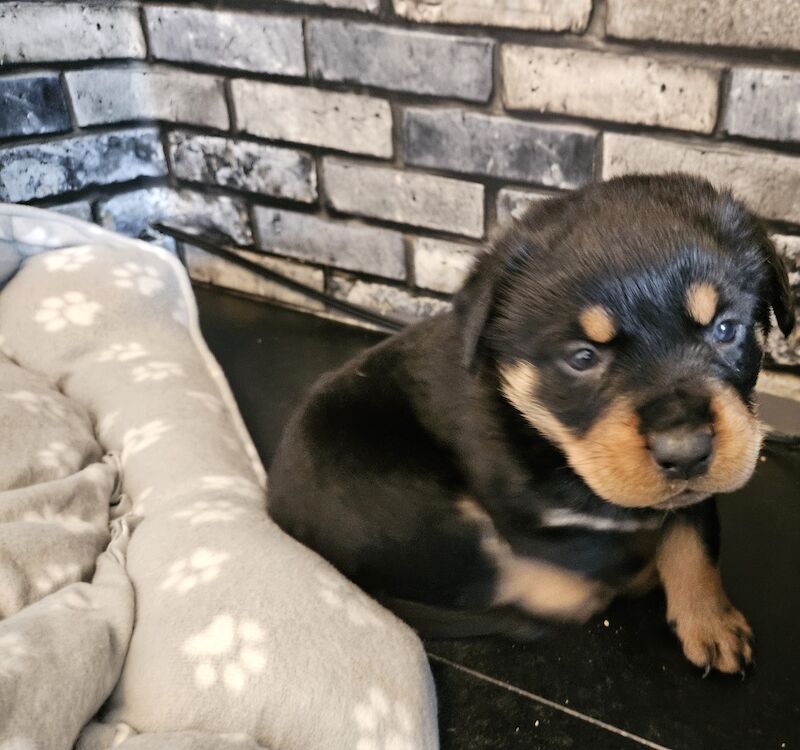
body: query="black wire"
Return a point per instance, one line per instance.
(213, 243)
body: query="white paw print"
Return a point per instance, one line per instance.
(236, 485)
(157, 371)
(144, 279)
(210, 511)
(340, 595)
(136, 439)
(69, 259)
(55, 576)
(383, 725)
(202, 567)
(227, 652)
(41, 404)
(13, 653)
(180, 316)
(212, 403)
(61, 457)
(122, 352)
(55, 313)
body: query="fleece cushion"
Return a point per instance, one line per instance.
(238, 628)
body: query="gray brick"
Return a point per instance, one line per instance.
(767, 181)
(739, 23)
(499, 147)
(254, 167)
(405, 197)
(102, 95)
(441, 265)
(763, 103)
(604, 86)
(32, 104)
(367, 6)
(347, 122)
(400, 60)
(212, 270)
(43, 169)
(77, 210)
(512, 203)
(388, 300)
(541, 15)
(46, 31)
(245, 41)
(131, 213)
(332, 243)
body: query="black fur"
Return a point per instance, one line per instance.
(371, 466)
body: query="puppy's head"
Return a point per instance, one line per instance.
(626, 323)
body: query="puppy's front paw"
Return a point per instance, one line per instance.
(716, 638)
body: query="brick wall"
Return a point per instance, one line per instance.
(368, 147)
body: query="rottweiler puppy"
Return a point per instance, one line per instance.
(558, 437)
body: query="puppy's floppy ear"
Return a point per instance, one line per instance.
(781, 298)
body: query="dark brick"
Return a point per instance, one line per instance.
(32, 105)
(401, 60)
(499, 147)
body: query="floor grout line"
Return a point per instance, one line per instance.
(547, 702)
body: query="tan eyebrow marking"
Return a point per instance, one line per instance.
(597, 324)
(701, 302)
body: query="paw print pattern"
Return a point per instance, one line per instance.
(122, 352)
(180, 316)
(156, 371)
(203, 566)
(69, 259)
(71, 308)
(60, 457)
(211, 402)
(144, 279)
(72, 523)
(54, 576)
(383, 725)
(210, 511)
(227, 652)
(137, 439)
(41, 404)
(341, 596)
(13, 654)
(230, 483)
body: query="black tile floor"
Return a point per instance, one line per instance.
(618, 682)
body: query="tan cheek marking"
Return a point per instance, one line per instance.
(612, 457)
(538, 587)
(701, 303)
(737, 442)
(597, 324)
(710, 629)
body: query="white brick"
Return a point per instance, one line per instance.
(104, 95)
(513, 203)
(353, 247)
(541, 15)
(245, 41)
(347, 122)
(210, 269)
(604, 86)
(46, 31)
(745, 23)
(764, 103)
(405, 197)
(388, 300)
(768, 182)
(441, 265)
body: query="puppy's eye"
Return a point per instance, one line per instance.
(583, 359)
(725, 331)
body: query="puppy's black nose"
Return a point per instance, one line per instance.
(681, 452)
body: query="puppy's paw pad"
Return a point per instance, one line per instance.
(719, 639)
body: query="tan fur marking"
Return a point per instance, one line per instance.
(711, 631)
(701, 302)
(612, 457)
(538, 587)
(597, 324)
